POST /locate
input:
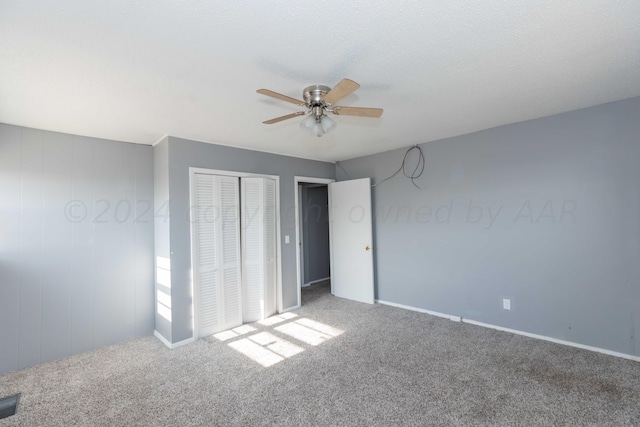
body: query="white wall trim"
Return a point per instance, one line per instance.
(554, 340)
(515, 331)
(293, 307)
(421, 310)
(162, 339)
(277, 153)
(159, 140)
(316, 281)
(172, 345)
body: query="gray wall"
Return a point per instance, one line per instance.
(184, 154)
(162, 230)
(544, 212)
(315, 223)
(76, 244)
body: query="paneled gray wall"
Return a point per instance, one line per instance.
(76, 244)
(545, 213)
(184, 154)
(162, 242)
(315, 223)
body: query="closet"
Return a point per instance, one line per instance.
(234, 250)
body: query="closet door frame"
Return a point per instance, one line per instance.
(192, 218)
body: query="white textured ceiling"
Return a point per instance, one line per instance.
(136, 70)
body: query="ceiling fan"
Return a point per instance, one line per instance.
(319, 100)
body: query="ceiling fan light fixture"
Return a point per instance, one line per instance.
(308, 123)
(328, 124)
(317, 125)
(318, 130)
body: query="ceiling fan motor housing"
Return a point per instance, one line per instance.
(313, 95)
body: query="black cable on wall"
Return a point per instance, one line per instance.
(415, 174)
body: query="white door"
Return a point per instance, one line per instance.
(216, 235)
(351, 240)
(258, 198)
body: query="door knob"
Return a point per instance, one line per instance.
(367, 248)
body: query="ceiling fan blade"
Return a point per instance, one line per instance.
(280, 96)
(357, 111)
(288, 116)
(339, 91)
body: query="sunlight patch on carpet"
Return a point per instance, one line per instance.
(269, 341)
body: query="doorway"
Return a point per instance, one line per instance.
(312, 235)
(350, 238)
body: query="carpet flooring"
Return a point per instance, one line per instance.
(332, 362)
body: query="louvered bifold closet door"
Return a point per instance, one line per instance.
(258, 248)
(217, 246)
(270, 246)
(230, 245)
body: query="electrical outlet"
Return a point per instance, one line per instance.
(506, 304)
(286, 239)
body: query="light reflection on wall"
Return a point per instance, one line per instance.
(163, 287)
(163, 271)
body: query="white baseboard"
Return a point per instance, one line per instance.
(554, 340)
(421, 310)
(293, 307)
(315, 281)
(172, 345)
(514, 331)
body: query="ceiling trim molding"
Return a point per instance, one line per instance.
(166, 135)
(249, 149)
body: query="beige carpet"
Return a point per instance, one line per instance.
(333, 362)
